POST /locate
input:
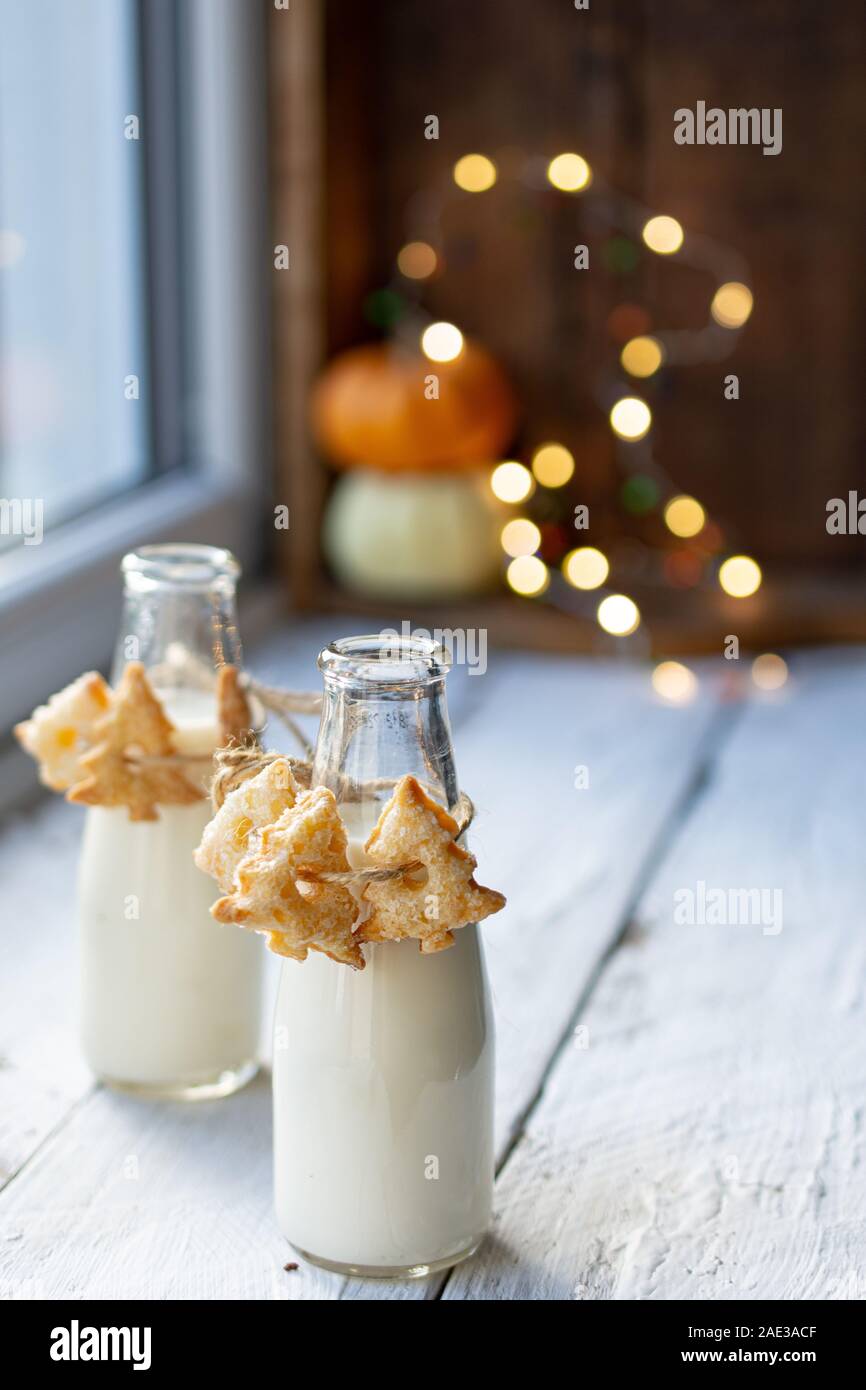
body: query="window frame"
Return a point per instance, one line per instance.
(58, 616)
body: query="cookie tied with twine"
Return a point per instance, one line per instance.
(291, 880)
(431, 904)
(278, 892)
(107, 747)
(134, 763)
(59, 732)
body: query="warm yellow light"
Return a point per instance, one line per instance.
(569, 172)
(520, 537)
(740, 576)
(586, 567)
(685, 516)
(663, 235)
(769, 672)
(528, 575)
(630, 418)
(512, 482)
(642, 356)
(732, 304)
(417, 260)
(442, 342)
(618, 615)
(552, 465)
(475, 173)
(674, 682)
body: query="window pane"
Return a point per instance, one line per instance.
(72, 249)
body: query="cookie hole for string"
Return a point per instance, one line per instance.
(417, 878)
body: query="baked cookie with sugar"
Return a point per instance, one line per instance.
(116, 770)
(233, 832)
(432, 904)
(233, 709)
(58, 733)
(273, 892)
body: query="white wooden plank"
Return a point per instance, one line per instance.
(708, 1143)
(568, 859)
(41, 1072)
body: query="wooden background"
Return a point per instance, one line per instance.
(517, 80)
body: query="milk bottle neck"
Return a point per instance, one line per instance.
(384, 715)
(179, 615)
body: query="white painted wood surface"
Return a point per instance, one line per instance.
(616, 1185)
(710, 1141)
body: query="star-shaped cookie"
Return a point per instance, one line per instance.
(134, 728)
(271, 895)
(233, 832)
(57, 734)
(431, 905)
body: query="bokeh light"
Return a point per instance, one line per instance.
(740, 576)
(586, 567)
(569, 172)
(642, 356)
(528, 575)
(732, 304)
(674, 682)
(684, 516)
(664, 235)
(552, 465)
(520, 537)
(475, 173)
(442, 342)
(769, 671)
(417, 260)
(639, 494)
(512, 482)
(618, 615)
(630, 418)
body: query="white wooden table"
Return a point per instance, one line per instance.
(681, 1108)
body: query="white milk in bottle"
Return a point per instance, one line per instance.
(170, 999)
(383, 1078)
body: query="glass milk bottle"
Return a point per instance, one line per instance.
(383, 1078)
(171, 1000)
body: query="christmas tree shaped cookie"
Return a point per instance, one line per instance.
(233, 832)
(433, 903)
(273, 889)
(57, 734)
(126, 767)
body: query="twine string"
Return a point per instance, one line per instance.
(282, 703)
(236, 765)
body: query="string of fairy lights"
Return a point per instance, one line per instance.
(581, 578)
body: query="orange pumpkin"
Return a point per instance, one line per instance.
(369, 409)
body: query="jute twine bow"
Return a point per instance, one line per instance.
(236, 765)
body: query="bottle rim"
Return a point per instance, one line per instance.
(385, 660)
(182, 564)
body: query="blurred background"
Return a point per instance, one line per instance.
(432, 321)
